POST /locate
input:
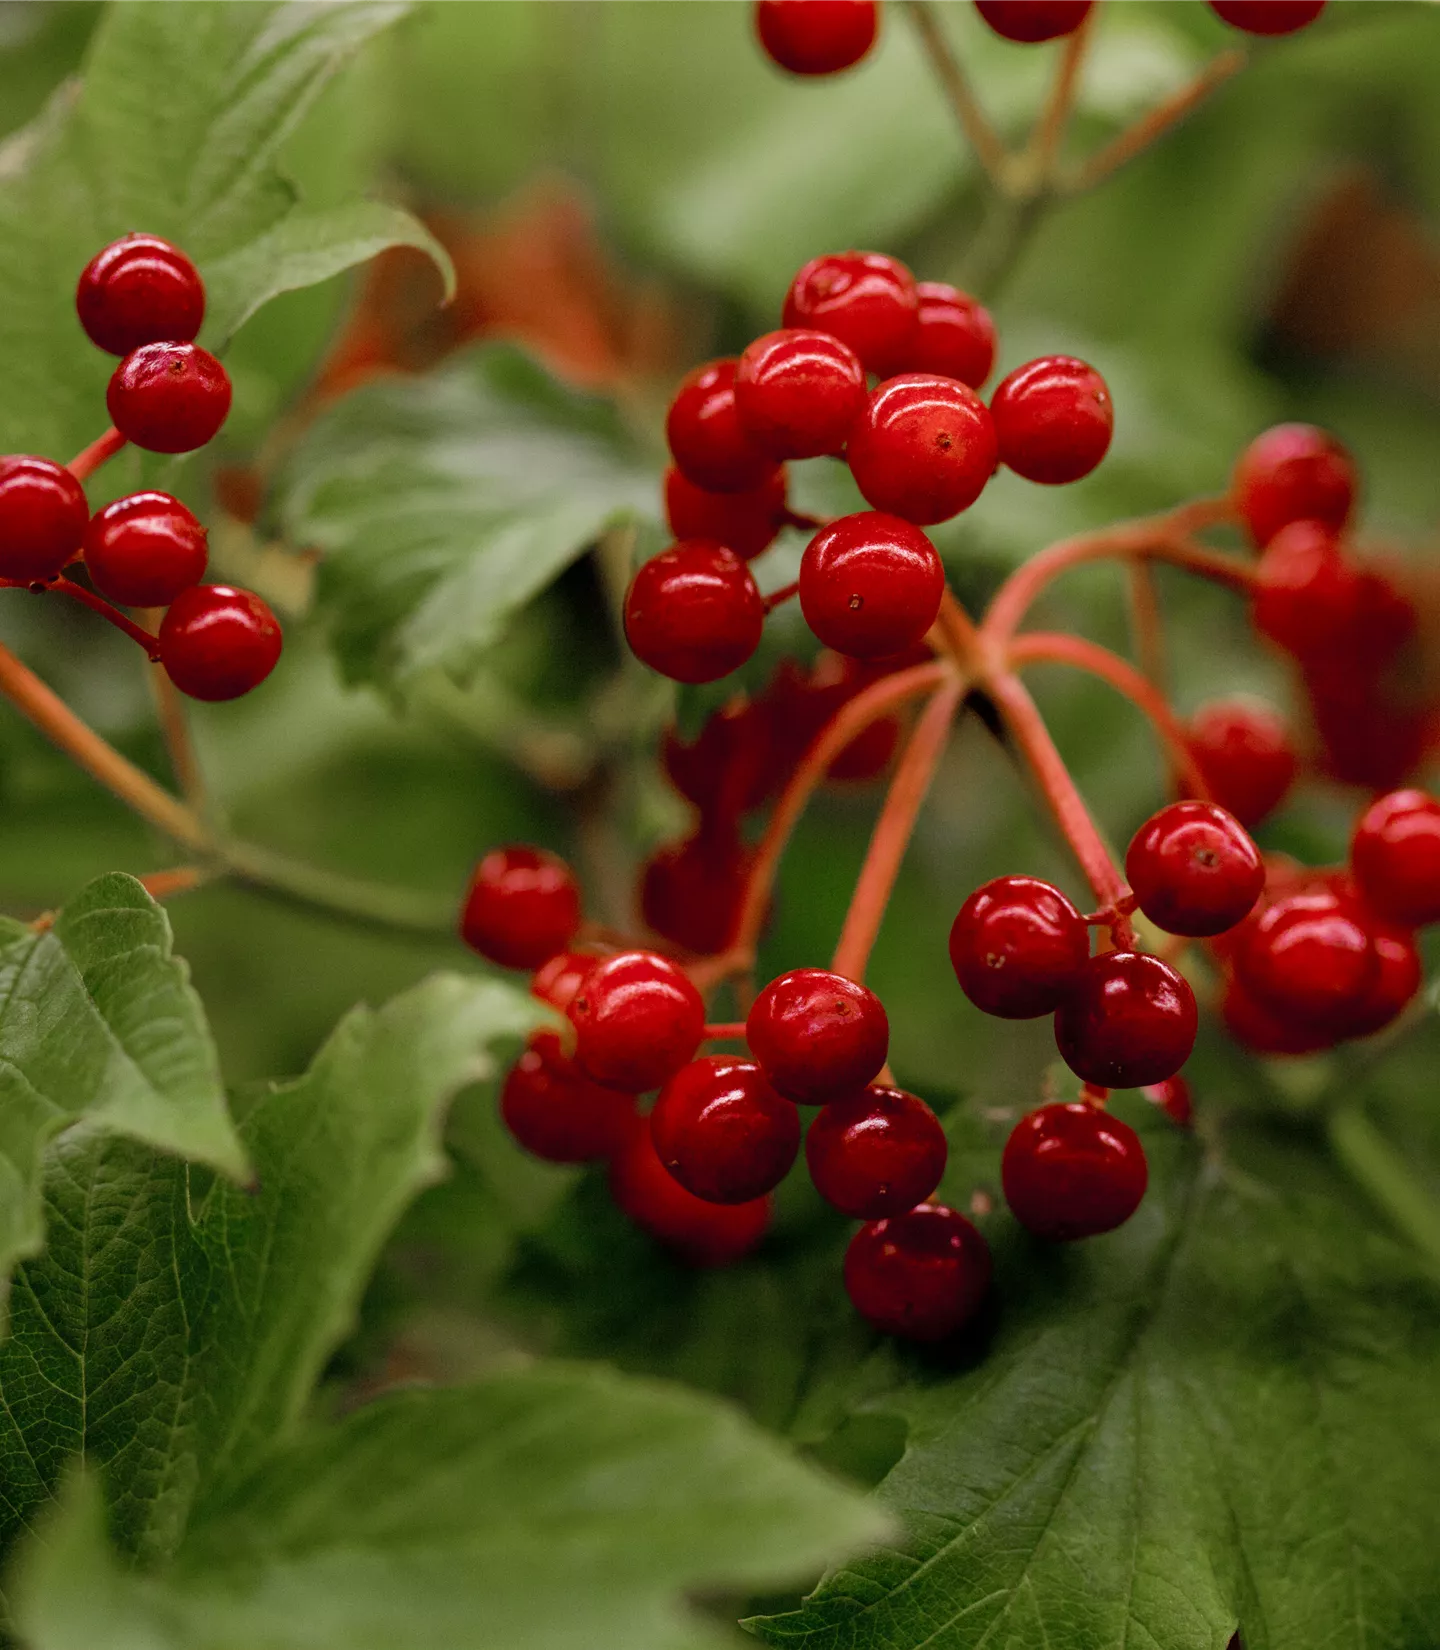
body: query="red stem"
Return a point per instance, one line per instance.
(729, 1031)
(98, 604)
(100, 451)
(783, 594)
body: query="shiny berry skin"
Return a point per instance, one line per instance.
(1243, 748)
(1397, 980)
(140, 290)
(1309, 956)
(43, 516)
(217, 642)
(1072, 1171)
(637, 1020)
(1029, 22)
(1053, 419)
(923, 448)
(1194, 870)
(691, 891)
(1268, 17)
(1130, 1020)
(522, 908)
(1293, 472)
(921, 1275)
(707, 440)
(743, 522)
(169, 398)
(818, 1035)
(865, 299)
(1395, 856)
(1309, 599)
(556, 1112)
(142, 551)
(557, 980)
(694, 612)
(697, 1232)
(870, 585)
(798, 392)
(1017, 947)
(955, 337)
(813, 37)
(723, 1132)
(877, 1152)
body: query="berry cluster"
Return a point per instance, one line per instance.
(142, 299)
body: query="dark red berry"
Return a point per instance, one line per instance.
(637, 1020)
(1337, 618)
(217, 642)
(816, 36)
(870, 585)
(1257, 1026)
(921, 1275)
(1173, 1098)
(1395, 855)
(1130, 1020)
(1243, 749)
(726, 769)
(1017, 947)
(1072, 1172)
(43, 516)
(955, 337)
(555, 1111)
(877, 1152)
(1309, 956)
(865, 299)
(743, 522)
(707, 440)
(1028, 22)
(691, 891)
(723, 1132)
(1397, 979)
(817, 1034)
(923, 448)
(1293, 472)
(1194, 870)
(798, 392)
(557, 980)
(522, 908)
(169, 398)
(694, 612)
(1367, 737)
(1268, 16)
(144, 550)
(1053, 419)
(701, 1233)
(140, 290)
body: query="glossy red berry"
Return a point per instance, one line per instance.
(637, 1020)
(557, 980)
(870, 585)
(1309, 956)
(700, 1233)
(694, 612)
(1244, 750)
(169, 398)
(1194, 870)
(1028, 22)
(707, 440)
(798, 392)
(876, 1152)
(43, 516)
(1017, 947)
(691, 891)
(723, 1132)
(923, 448)
(217, 642)
(1293, 472)
(743, 522)
(818, 1035)
(955, 336)
(1072, 1171)
(814, 37)
(1268, 16)
(1334, 616)
(1053, 419)
(1257, 1026)
(522, 908)
(142, 551)
(1130, 1020)
(556, 1112)
(866, 299)
(1397, 980)
(921, 1275)
(140, 290)
(1395, 855)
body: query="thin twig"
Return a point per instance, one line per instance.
(110, 613)
(1037, 164)
(982, 137)
(100, 451)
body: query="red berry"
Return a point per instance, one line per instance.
(557, 980)
(725, 770)
(921, 1275)
(1130, 1020)
(743, 522)
(1017, 947)
(1268, 16)
(1367, 737)
(691, 891)
(1256, 1026)
(1338, 619)
(144, 550)
(140, 290)
(816, 36)
(798, 392)
(168, 398)
(1028, 22)
(1173, 1098)
(923, 448)
(707, 440)
(865, 299)
(43, 516)
(1395, 854)
(818, 1035)
(555, 1111)
(1072, 1172)
(637, 1020)
(521, 909)
(217, 642)
(1396, 982)
(870, 585)
(1053, 419)
(877, 1152)
(1194, 870)
(1293, 472)
(955, 337)
(704, 1234)
(723, 1132)
(1309, 956)
(1243, 748)
(694, 612)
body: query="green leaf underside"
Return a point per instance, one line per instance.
(443, 505)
